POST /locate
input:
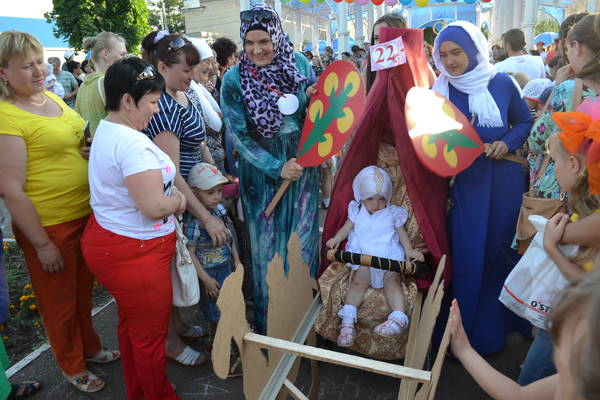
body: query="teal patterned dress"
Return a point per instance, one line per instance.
(260, 163)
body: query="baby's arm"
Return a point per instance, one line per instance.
(340, 236)
(494, 383)
(211, 286)
(408, 249)
(553, 233)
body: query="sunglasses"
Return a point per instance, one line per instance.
(147, 73)
(261, 15)
(177, 43)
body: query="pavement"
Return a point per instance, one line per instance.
(195, 383)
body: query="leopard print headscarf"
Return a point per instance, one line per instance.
(281, 74)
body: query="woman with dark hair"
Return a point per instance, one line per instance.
(487, 195)
(129, 242)
(178, 130)
(267, 142)
(387, 20)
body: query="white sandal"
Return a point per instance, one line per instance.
(104, 356)
(86, 382)
(386, 328)
(189, 357)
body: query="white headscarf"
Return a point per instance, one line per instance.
(475, 82)
(210, 109)
(370, 181)
(203, 48)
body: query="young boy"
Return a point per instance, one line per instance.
(213, 264)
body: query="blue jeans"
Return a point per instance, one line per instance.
(538, 363)
(207, 305)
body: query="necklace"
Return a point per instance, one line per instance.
(41, 103)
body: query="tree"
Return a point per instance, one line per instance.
(174, 16)
(77, 19)
(546, 24)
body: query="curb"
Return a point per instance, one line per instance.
(19, 365)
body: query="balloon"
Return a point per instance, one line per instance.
(391, 2)
(422, 3)
(363, 2)
(349, 1)
(305, 1)
(405, 2)
(486, 1)
(338, 1)
(377, 2)
(470, 1)
(440, 1)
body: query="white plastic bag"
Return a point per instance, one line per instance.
(531, 288)
(186, 289)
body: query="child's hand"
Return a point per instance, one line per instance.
(459, 342)
(555, 228)
(333, 243)
(416, 254)
(211, 288)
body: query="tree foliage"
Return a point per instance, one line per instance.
(547, 24)
(77, 19)
(174, 16)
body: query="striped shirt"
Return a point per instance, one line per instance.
(186, 123)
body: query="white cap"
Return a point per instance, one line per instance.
(68, 54)
(205, 176)
(203, 48)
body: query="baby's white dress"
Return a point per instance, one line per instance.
(376, 235)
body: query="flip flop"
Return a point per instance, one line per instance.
(104, 356)
(26, 389)
(189, 357)
(193, 332)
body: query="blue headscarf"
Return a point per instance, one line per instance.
(461, 37)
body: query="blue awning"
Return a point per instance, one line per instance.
(39, 28)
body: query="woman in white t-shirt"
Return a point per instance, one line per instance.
(129, 241)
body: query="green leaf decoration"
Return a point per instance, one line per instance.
(454, 138)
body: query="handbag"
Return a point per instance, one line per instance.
(184, 279)
(532, 204)
(534, 283)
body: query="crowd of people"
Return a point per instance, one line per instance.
(191, 137)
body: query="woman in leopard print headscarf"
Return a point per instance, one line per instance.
(267, 142)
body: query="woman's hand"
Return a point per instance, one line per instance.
(459, 342)
(217, 230)
(496, 150)
(311, 90)
(85, 150)
(291, 170)
(50, 258)
(211, 287)
(555, 228)
(563, 74)
(182, 201)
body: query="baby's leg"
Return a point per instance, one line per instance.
(358, 286)
(397, 320)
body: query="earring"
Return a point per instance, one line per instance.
(5, 82)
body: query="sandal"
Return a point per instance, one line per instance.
(23, 390)
(104, 356)
(388, 328)
(346, 336)
(193, 332)
(86, 382)
(189, 357)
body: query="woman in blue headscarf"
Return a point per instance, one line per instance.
(486, 197)
(267, 141)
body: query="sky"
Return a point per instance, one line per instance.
(25, 8)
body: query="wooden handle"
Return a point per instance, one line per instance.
(271, 207)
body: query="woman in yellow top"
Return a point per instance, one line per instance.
(44, 182)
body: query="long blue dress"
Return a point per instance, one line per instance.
(260, 162)
(486, 201)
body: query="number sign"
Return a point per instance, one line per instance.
(387, 55)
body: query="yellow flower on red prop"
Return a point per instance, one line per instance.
(32, 307)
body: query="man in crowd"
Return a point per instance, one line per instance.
(67, 80)
(518, 60)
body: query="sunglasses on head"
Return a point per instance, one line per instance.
(177, 43)
(147, 73)
(261, 15)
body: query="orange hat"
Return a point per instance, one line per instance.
(579, 134)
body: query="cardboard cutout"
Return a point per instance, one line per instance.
(444, 140)
(384, 122)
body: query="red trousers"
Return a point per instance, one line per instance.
(137, 273)
(64, 299)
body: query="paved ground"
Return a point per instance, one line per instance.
(201, 383)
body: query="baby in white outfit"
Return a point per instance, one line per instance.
(376, 228)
